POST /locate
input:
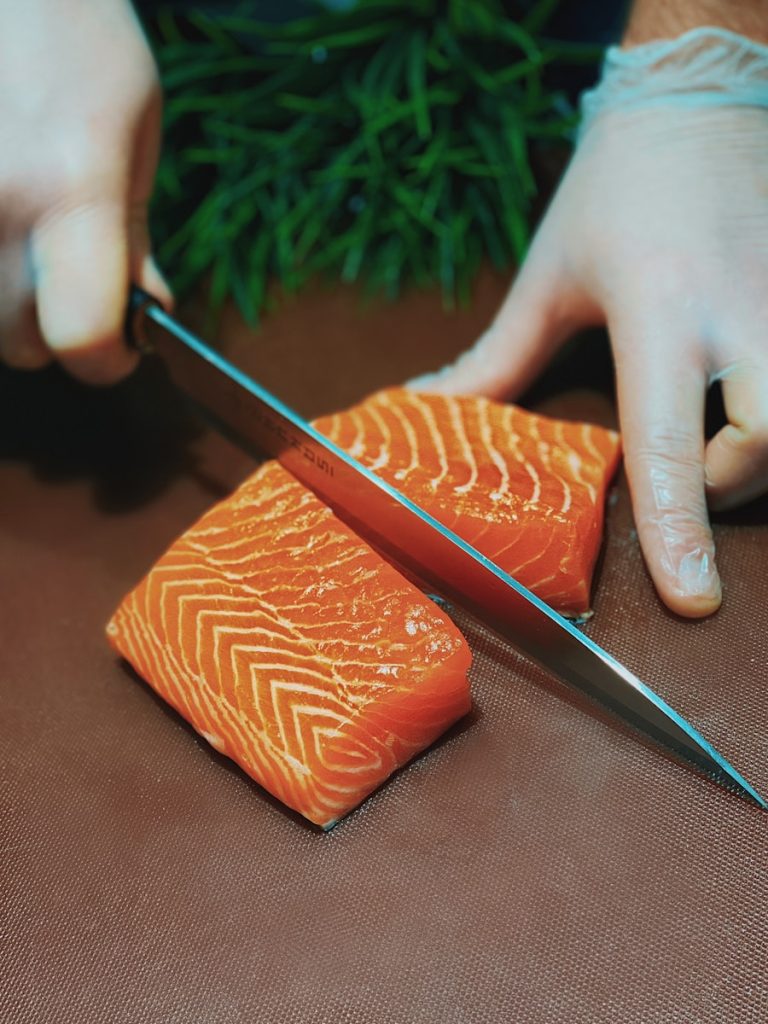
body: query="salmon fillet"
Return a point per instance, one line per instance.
(294, 649)
(299, 652)
(525, 490)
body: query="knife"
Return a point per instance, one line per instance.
(258, 421)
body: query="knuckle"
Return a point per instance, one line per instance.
(750, 435)
(668, 466)
(670, 447)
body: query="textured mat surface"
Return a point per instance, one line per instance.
(539, 865)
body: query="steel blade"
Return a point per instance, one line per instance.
(262, 423)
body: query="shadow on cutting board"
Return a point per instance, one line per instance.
(134, 438)
(130, 440)
(230, 766)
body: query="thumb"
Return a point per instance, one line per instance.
(540, 311)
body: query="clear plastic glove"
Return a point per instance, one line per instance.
(79, 134)
(660, 230)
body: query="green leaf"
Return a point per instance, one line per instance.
(336, 40)
(388, 143)
(417, 85)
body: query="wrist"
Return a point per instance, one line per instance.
(653, 20)
(705, 67)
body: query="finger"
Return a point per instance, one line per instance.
(737, 456)
(661, 390)
(540, 311)
(86, 250)
(81, 263)
(143, 268)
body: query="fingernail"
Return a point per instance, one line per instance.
(156, 281)
(698, 576)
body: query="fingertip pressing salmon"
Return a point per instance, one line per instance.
(297, 651)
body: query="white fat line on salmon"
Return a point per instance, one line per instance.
(210, 531)
(158, 665)
(207, 576)
(545, 454)
(286, 669)
(226, 631)
(382, 459)
(428, 417)
(156, 591)
(335, 808)
(253, 494)
(292, 688)
(192, 669)
(241, 553)
(270, 699)
(486, 436)
(249, 746)
(499, 552)
(142, 651)
(348, 548)
(249, 532)
(356, 447)
(203, 703)
(538, 585)
(271, 765)
(252, 612)
(276, 771)
(299, 634)
(344, 430)
(333, 428)
(536, 481)
(247, 743)
(543, 448)
(530, 469)
(587, 433)
(367, 766)
(208, 619)
(574, 462)
(262, 498)
(295, 662)
(222, 631)
(412, 441)
(327, 793)
(305, 719)
(457, 422)
(324, 626)
(517, 569)
(255, 757)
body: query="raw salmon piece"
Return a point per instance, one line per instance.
(300, 653)
(294, 649)
(525, 490)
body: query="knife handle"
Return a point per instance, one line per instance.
(133, 329)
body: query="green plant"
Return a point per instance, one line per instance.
(390, 142)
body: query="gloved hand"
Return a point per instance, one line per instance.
(659, 229)
(79, 133)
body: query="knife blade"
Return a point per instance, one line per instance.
(411, 537)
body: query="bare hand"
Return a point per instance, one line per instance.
(79, 133)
